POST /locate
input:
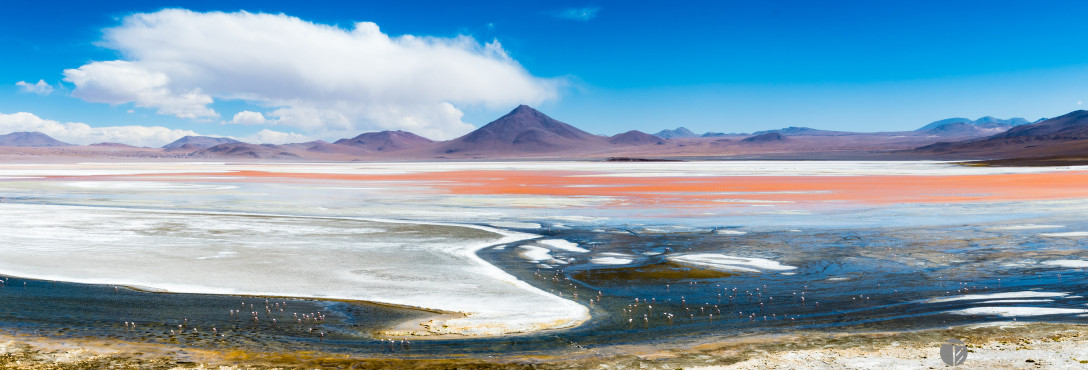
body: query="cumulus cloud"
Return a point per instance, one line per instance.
(267, 136)
(118, 82)
(248, 118)
(316, 78)
(40, 88)
(81, 133)
(578, 14)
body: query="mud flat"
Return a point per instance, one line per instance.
(993, 346)
(996, 345)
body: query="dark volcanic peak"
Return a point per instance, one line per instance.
(198, 142)
(522, 119)
(679, 132)
(387, 141)
(522, 130)
(635, 137)
(30, 139)
(769, 137)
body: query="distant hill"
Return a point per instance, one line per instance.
(635, 137)
(112, 145)
(198, 142)
(323, 147)
(246, 150)
(387, 141)
(770, 137)
(30, 139)
(1064, 135)
(984, 126)
(523, 130)
(802, 131)
(994, 122)
(679, 132)
(952, 129)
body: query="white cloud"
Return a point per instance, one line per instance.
(40, 88)
(267, 136)
(317, 78)
(81, 133)
(248, 118)
(118, 82)
(578, 14)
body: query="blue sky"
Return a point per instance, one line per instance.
(606, 67)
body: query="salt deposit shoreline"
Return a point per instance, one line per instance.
(498, 304)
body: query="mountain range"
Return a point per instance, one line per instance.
(1066, 135)
(951, 127)
(963, 126)
(528, 133)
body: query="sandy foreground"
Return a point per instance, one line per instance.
(1002, 345)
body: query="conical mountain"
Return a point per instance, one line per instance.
(523, 130)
